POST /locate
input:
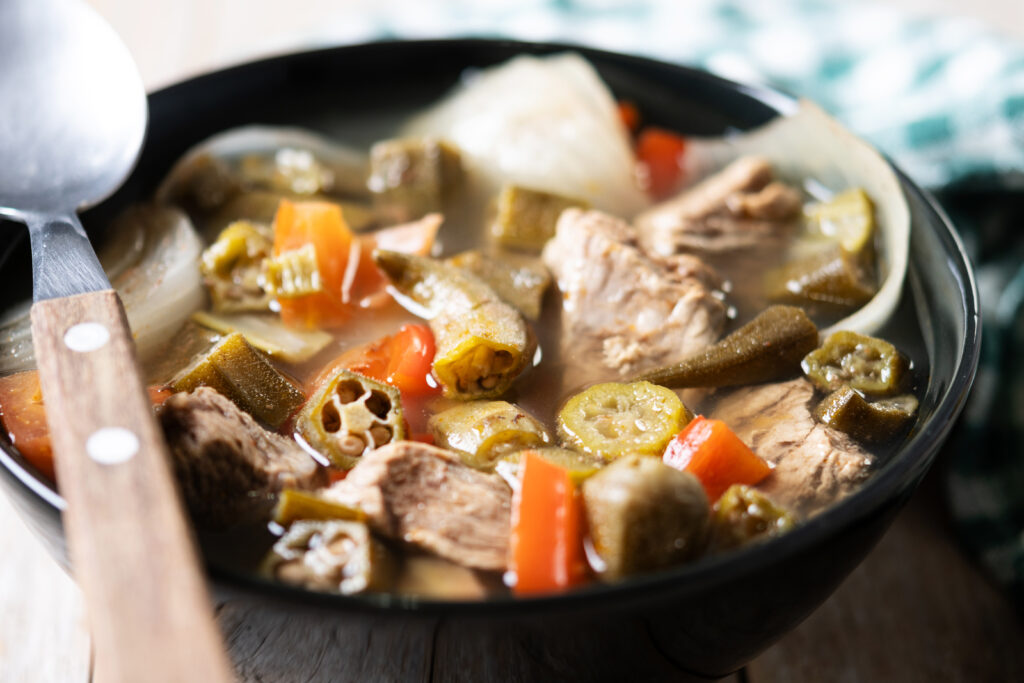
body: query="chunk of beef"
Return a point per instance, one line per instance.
(425, 496)
(632, 312)
(225, 462)
(815, 465)
(741, 207)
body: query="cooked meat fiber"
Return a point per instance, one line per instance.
(815, 465)
(226, 463)
(632, 312)
(741, 207)
(425, 496)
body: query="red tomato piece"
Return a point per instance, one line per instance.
(716, 456)
(547, 536)
(660, 154)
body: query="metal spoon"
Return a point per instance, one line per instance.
(74, 116)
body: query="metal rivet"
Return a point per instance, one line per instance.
(112, 445)
(85, 337)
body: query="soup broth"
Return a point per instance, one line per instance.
(460, 446)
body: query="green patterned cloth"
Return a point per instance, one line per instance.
(943, 97)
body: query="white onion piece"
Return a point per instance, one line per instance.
(808, 145)
(120, 252)
(548, 123)
(268, 334)
(123, 248)
(16, 353)
(153, 258)
(165, 287)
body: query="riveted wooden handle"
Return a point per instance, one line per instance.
(131, 549)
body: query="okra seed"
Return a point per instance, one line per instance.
(381, 435)
(352, 445)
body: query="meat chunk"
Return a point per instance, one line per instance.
(741, 207)
(632, 312)
(815, 465)
(425, 496)
(225, 462)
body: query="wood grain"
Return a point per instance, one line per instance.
(880, 626)
(915, 610)
(131, 549)
(43, 636)
(274, 644)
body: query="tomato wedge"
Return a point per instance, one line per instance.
(660, 154)
(350, 278)
(23, 417)
(629, 115)
(403, 360)
(321, 224)
(716, 456)
(409, 238)
(547, 536)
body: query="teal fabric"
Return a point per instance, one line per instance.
(943, 97)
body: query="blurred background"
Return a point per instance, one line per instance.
(171, 40)
(936, 84)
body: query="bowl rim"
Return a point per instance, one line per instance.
(901, 473)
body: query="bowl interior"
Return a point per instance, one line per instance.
(357, 94)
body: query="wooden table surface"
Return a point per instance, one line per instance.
(915, 610)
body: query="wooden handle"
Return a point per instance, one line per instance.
(130, 546)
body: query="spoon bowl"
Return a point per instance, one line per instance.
(72, 128)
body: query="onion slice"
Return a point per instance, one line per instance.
(267, 333)
(547, 123)
(152, 258)
(165, 287)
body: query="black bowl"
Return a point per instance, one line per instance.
(710, 617)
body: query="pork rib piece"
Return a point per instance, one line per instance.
(225, 462)
(427, 497)
(815, 465)
(740, 207)
(630, 311)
